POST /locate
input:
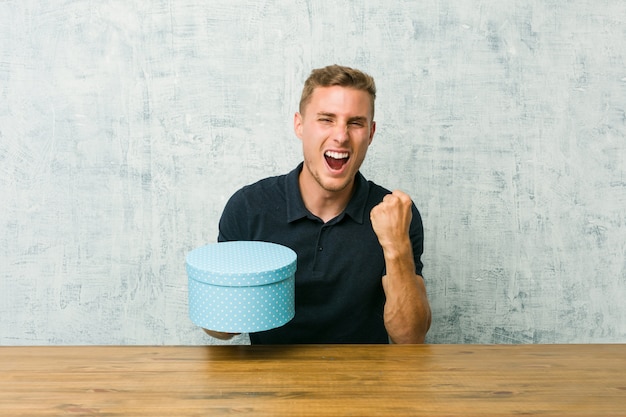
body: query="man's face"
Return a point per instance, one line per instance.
(335, 128)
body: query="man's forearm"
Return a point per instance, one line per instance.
(407, 313)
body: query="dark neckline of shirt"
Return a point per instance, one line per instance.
(296, 209)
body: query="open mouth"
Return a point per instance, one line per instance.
(336, 160)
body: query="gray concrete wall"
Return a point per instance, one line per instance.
(125, 126)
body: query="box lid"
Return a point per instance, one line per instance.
(241, 263)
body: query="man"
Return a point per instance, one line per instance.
(358, 277)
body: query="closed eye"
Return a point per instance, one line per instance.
(358, 122)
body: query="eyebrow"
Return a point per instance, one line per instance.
(350, 119)
(358, 119)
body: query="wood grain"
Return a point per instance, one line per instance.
(360, 380)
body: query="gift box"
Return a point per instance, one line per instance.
(241, 286)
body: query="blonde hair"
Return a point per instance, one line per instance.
(341, 76)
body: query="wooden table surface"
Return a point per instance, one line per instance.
(321, 380)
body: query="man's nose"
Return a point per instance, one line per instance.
(341, 133)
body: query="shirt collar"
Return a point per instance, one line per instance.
(295, 205)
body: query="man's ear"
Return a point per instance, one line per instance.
(297, 124)
(372, 131)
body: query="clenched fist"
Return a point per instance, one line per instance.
(391, 219)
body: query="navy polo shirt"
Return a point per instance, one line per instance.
(339, 294)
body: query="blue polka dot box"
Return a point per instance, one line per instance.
(242, 286)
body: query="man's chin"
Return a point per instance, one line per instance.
(332, 182)
(335, 185)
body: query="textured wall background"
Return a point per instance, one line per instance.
(125, 126)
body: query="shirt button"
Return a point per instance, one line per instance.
(320, 248)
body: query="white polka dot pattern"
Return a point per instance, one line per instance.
(242, 286)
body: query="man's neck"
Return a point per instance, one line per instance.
(323, 203)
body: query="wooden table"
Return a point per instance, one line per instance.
(323, 380)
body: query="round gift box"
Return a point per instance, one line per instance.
(241, 286)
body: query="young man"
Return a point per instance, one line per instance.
(358, 277)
